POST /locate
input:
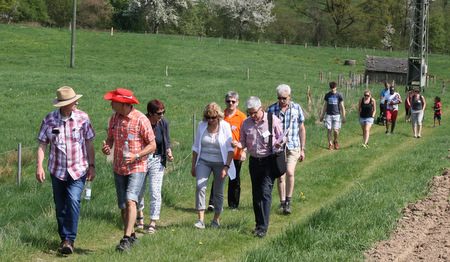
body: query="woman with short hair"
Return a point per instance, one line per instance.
(212, 152)
(156, 163)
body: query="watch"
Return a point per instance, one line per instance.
(92, 165)
(138, 157)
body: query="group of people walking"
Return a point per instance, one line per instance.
(140, 144)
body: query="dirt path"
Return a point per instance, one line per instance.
(423, 233)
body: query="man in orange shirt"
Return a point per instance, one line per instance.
(234, 117)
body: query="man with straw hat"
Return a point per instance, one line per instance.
(71, 161)
(128, 126)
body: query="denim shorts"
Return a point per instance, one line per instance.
(128, 187)
(366, 120)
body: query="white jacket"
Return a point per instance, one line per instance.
(224, 136)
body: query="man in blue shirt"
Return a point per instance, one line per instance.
(292, 119)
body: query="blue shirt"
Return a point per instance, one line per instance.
(383, 93)
(291, 119)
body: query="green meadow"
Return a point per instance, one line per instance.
(345, 200)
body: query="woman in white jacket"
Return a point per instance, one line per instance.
(212, 152)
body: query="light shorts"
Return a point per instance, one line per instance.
(391, 115)
(128, 187)
(366, 120)
(332, 122)
(292, 155)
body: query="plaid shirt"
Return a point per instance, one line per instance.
(291, 119)
(137, 130)
(68, 153)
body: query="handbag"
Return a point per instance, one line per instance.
(277, 159)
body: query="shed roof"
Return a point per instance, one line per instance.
(386, 64)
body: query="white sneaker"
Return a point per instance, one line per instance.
(415, 136)
(418, 135)
(199, 224)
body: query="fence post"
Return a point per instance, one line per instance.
(19, 164)
(167, 70)
(309, 98)
(248, 73)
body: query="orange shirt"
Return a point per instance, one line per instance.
(235, 122)
(137, 130)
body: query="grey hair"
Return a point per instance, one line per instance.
(253, 103)
(283, 88)
(232, 94)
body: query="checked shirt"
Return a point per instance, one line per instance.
(67, 140)
(291, 119)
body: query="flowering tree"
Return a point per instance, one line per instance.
(256, 13)
(157, 11)
(387, 40)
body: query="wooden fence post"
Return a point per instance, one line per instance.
(167, 70)
(248, 73)
(19, 164)
(309, 98)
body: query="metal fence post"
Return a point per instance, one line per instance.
(19, 164)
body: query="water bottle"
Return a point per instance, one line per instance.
(125, 149)
(88, 190)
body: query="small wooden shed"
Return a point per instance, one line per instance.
(386, 69)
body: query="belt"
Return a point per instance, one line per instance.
(260, 159)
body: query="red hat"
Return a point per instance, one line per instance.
(121, 96)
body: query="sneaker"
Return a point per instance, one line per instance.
(387, 132)
(210, 208)
(418, 136)
(199, 224)
(134, 241)
(336, 146)
(255, 231)
(124, 245)
(287, 208)
(66, 248)
(415, 136)
(215, 224)
(330, 147)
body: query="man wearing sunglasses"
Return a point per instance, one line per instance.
(292, 119)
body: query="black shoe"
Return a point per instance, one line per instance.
(287, 208)
(124, 245)
(255, 231)
(66, 248)
(210, 208)
(261, 233)
(134, 241)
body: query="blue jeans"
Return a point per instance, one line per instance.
(67, 197)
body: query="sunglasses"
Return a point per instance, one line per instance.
(366, 95)
(210, 117)
(231, 101)
(161, 113)
(282, 98)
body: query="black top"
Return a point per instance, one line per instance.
(366, 109)
(163, 140)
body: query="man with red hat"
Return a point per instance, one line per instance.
(128, 126)
(72, 161)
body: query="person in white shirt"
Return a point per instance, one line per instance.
(391, 103)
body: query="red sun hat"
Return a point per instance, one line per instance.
(122, 96)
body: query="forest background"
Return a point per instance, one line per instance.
(381, 24)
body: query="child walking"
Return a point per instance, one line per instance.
(437, 110)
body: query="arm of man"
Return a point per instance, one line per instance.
(324, 110)
(343, 112)
(40, 173)
(91, 160)
(147, 150)
(302, 134)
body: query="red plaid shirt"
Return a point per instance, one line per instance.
(137, 130)
(67, 140)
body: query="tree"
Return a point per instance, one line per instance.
(157, 12)
(247, 13)
(60, 12)
(94, 14)
(8, 8)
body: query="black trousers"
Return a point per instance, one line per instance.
(234, 188)
(262, 186)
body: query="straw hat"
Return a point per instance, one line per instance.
(65, 96)
(122, 96)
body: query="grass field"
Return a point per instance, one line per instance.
(351, 196)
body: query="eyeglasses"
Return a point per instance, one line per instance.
(251, 113)
(282, 98)
(161, 113)
(366, 95)
(231, 101)
(210, 117)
